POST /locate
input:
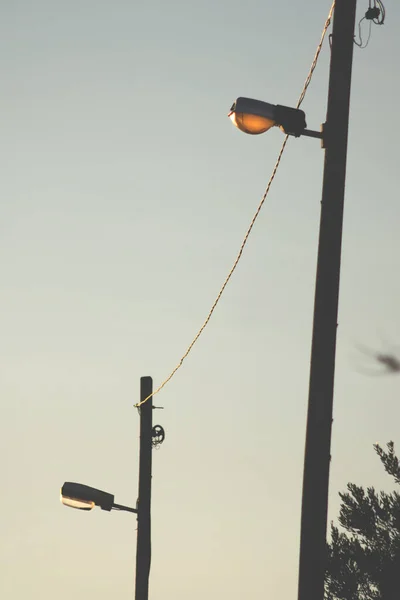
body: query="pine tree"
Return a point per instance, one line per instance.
(364, 554)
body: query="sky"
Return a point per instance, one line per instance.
(126, 192)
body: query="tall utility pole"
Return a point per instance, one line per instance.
(143, 552)
(320, 402)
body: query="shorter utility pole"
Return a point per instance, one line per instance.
(143, 551)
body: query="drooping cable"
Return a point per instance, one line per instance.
(379, 19)
(360, 43)
(256, 214)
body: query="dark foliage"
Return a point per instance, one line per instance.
(364, 553)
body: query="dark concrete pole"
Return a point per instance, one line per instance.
(143, 552)
(320, 402)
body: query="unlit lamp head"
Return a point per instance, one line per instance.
(255, 117)
(83, 497)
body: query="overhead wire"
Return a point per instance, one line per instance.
(253, 220)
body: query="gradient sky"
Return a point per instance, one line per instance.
(126, 192)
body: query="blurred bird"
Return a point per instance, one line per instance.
(390, 363)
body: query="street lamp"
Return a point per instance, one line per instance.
(84, 497)
(254, 117)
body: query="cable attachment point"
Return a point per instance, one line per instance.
(376, 14)
(372, 13)
(157, 436)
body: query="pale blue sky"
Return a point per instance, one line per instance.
(126, 192)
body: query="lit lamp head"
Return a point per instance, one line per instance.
(252, 116)
(256, 116)
(84, 497)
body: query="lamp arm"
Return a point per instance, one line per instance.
(313, 134)
(124, 508)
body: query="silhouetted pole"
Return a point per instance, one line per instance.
(143, 551)
(319, 420)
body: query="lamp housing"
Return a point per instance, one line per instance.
(255, 117)
(252, 116)
(84, 497)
